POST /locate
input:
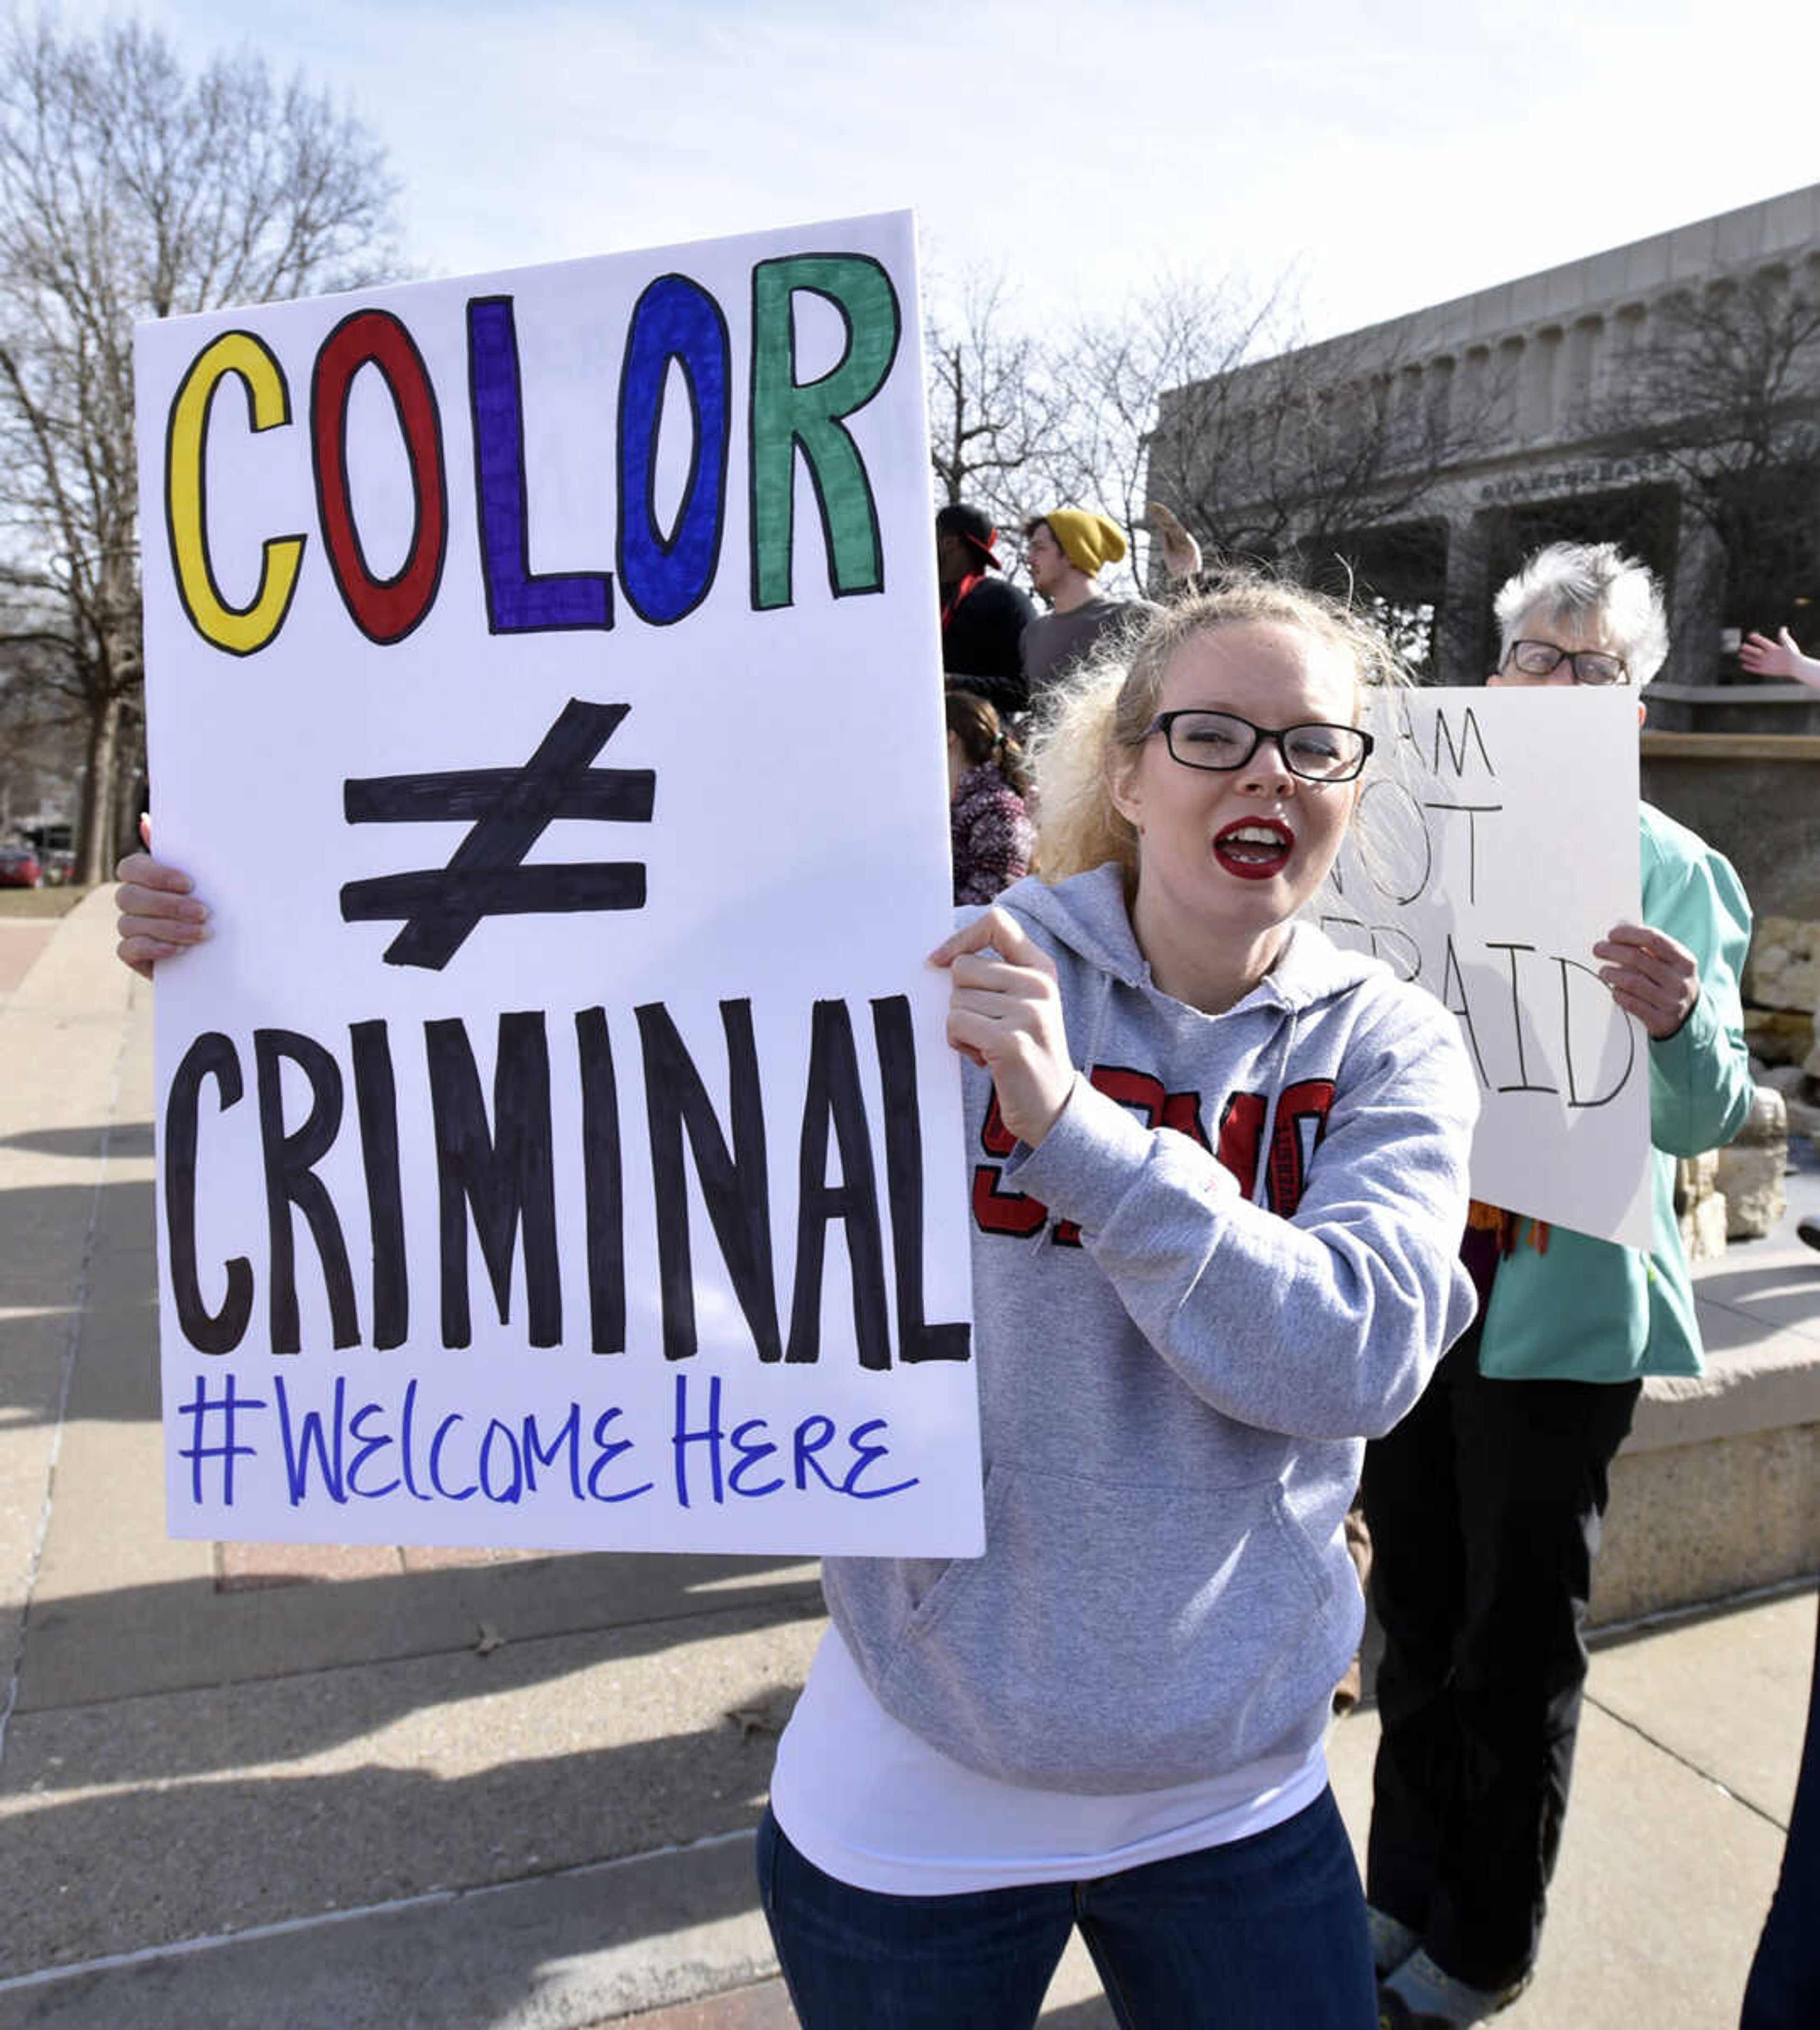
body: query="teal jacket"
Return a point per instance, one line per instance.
(1590, 1310)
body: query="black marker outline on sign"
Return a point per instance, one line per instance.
(509, 810)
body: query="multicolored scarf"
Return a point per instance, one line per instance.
(1482, 1218)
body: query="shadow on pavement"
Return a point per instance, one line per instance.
(41, 1283)
(123, 1138)
(296, 1670)
(115, 1871)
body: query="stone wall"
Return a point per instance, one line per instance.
(1748, 1172)
(1782, 1015)
(1761, 809)
(1699, 1512)
(1718, 1489)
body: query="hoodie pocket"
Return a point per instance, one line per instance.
(1120, 1639)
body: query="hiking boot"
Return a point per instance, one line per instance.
(1392, 1941)
(1420, 1995)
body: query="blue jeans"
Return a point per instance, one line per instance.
(1267, 1933)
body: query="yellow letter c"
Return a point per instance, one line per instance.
(239, 630)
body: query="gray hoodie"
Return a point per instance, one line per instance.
(1181, 1352)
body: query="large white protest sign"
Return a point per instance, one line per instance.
(1495, 845)
(558, 1145)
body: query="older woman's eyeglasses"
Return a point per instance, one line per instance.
(1222, 740)
(1588, 666)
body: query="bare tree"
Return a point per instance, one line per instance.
(40, 747)
(1289, 458)
(1114, 376)
(992, 410)
(1725, 391)
(1019, 424)
(131, 189)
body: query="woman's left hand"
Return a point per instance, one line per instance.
(1762, 657)
(1004, 1013)
(1650, 976)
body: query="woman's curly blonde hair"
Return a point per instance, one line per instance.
(1089, 727)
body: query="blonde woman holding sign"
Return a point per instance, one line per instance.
(1218, 1178)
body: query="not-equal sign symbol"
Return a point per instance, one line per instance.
(508, 810)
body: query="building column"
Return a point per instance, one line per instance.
(1466, 646)
(1696, 604)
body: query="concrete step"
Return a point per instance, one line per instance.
(1717, 1491)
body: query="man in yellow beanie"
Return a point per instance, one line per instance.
(1065, 551)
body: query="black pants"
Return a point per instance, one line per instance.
(1484, 1507)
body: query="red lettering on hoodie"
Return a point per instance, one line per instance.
(1302, 1112)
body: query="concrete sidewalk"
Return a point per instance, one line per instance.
(241, 1786)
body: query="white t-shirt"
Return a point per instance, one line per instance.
(873, 1804)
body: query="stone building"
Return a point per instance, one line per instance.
(1479, 429)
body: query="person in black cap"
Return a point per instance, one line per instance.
(982, 618)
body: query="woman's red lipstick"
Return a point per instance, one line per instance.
(1254, 849)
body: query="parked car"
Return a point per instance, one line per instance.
(20, 868)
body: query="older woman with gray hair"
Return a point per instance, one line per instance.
(1484, 1503)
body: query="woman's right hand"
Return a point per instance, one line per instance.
(160, 916)
(1004, 1013)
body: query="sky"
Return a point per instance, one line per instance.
(1386, 156)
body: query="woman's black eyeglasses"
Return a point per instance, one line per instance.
(1222, 740)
